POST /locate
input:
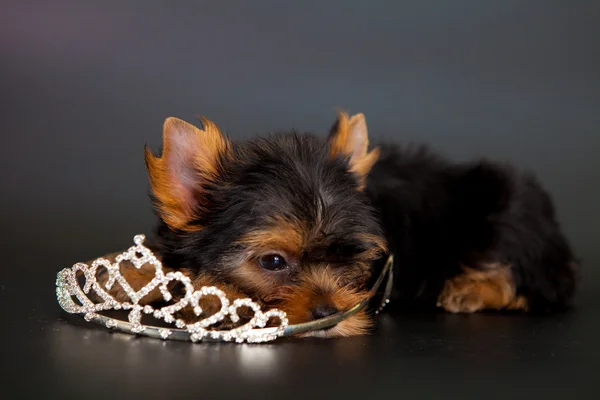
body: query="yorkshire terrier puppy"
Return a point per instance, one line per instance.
(301, 223)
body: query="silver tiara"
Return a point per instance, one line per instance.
(70, 292)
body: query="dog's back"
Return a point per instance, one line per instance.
(472, 236)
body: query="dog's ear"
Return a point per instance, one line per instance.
(191, 159)
(349, 138)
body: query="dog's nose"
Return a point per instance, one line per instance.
(323, 310)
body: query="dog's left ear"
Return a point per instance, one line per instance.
(349, 138)
(191, 162)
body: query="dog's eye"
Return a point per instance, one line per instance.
(273, 262)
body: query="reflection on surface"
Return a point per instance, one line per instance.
(101, 355)
(400, 345)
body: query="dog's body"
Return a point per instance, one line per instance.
(296, 222)
(471, 236)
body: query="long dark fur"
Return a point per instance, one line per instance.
(286, 174)
(438, 215)
(435, 216)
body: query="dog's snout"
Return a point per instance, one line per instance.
(323, 310)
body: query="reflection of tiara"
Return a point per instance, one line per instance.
(74, 299)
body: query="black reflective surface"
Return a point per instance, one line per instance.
(85, 85)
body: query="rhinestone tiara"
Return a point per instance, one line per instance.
(68, 290)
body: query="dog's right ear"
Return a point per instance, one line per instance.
(191, 158)
(349, 138)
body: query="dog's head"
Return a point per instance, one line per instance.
(282, 218)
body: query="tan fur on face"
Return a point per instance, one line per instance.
(350, 139)
(293, 236)
(321, 285)
(190, 158)
(342, 289)
(290, 238)
(282, 234)
(378, 242)
(264, 285)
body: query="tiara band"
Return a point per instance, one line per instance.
(68, 289)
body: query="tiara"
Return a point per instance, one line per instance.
(74, 298)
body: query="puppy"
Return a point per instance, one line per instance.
(301, 223)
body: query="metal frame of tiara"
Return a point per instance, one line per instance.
(254, 331)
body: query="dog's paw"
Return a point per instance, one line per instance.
(460, 295)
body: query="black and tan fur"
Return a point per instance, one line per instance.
(466, 237)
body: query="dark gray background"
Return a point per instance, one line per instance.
(85, 85)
